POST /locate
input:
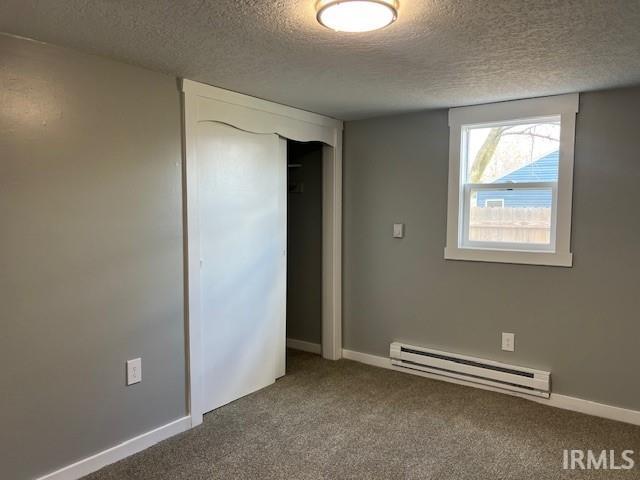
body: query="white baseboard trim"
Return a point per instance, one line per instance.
(111, 455)
(367, 358)
(304, 346)
(555, 400)
(594, 408)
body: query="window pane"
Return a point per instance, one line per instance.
(513, 152)
(520, 216)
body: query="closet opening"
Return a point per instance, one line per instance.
(304, 246)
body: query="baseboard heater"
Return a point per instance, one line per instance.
(434, 363)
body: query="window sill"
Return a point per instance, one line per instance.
(503, 256)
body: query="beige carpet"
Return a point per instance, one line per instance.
(344, 420)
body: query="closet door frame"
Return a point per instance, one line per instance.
(204, 103)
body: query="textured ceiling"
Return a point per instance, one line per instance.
(439, 53)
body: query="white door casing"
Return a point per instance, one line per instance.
(204, 103)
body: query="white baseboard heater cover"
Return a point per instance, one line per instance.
(470, 369)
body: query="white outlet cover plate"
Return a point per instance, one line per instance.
(508, 342)
(134, 371)
(398, 230)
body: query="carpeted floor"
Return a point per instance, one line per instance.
(344, 420)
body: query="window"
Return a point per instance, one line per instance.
(510, 181)
(494, 203)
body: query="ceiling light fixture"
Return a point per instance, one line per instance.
(356, 15)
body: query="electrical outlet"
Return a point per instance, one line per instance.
(398, 230)
(508, 342)
(134, 371)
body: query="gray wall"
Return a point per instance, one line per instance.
(304, 245)
(91, 255)
(580, 323)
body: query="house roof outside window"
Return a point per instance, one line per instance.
(545, 169)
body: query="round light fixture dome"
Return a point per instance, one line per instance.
(356, 15)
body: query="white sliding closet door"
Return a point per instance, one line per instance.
(242, 203)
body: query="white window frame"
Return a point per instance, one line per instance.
(559, 253)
